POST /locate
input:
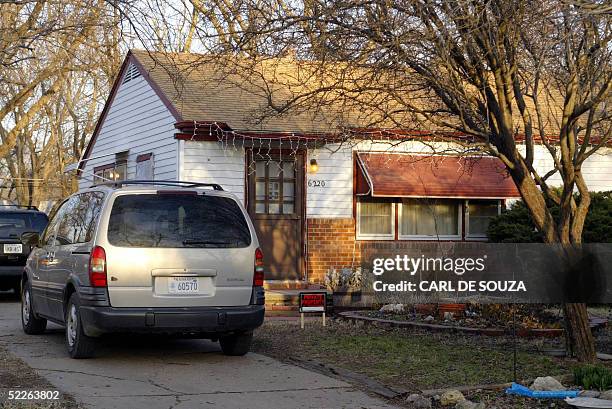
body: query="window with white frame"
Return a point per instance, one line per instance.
(375, 220)
(429, 219)
(478, 216)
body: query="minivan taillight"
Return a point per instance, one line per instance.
(97, 267)
(258, 277)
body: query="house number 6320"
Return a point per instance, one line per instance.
(316, 183)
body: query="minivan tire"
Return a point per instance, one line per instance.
(78, 344)
(237, 344)
(31, 324)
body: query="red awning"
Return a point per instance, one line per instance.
(405, 175)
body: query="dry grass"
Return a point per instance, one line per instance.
(16, 375)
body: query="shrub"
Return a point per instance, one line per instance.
(515, 225)
(593, 377)
(598, 224)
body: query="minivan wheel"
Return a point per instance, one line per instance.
(31, 324)
(79, 345)
(237, 344)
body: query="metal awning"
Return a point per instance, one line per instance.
(411, 175)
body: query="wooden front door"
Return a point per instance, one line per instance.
(275, 203)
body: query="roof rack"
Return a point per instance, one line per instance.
(178, 183)
(20, 206)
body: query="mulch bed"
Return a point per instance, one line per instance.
(473, 325)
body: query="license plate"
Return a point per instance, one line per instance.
(183, 285)
(13, 248)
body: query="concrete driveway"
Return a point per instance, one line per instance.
(140, 372)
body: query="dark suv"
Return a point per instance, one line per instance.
(14, 221)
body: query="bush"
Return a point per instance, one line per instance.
(593, 377)
(515, 225)
(598, 224)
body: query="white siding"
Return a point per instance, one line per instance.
(138, 121)
(335, 199)
(597, 169)
(212, 162)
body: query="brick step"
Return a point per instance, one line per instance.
(290, 285)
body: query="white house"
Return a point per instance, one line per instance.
(313, 200)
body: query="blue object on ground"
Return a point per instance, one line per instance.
(517, 389)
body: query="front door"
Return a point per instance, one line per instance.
(275, 203)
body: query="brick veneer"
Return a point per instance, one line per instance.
(331, 244)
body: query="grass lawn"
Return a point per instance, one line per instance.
(412, 359)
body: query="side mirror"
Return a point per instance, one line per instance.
(30, 238)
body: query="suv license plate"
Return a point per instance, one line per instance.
(183, 285)
(13, 248)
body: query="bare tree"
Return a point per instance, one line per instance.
(58, 61)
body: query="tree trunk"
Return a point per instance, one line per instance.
(579, 333)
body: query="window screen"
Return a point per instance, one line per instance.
(480, 213)
(422, 217)
(376, 219)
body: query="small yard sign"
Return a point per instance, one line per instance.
(312, 302)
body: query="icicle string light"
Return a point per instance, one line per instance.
(263, 148)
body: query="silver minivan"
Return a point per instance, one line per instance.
(146, 256)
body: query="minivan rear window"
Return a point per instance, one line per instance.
(169, 220)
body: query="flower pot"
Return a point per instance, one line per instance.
(425, 309)
(457, 310)
(348, 298)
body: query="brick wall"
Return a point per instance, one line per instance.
(331, 244)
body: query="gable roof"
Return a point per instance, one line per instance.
(254, 95)
(249, 95)
(216, 89)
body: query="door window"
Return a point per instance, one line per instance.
(275, 186)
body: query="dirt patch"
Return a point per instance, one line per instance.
(15, 375)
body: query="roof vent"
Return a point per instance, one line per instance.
(131, 73)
